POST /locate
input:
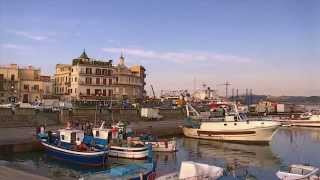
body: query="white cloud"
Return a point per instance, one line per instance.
(30, 36)
(179, 57)
(11, 46)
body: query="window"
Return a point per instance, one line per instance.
(88, 92)
(104, 92)
(97, 91)
(109, 92)
(104, 81)
(36, 87)
(97, 80)
(26, 87)
(12, 77)
(75, 90)
(110, 81)
(88, 71)
(62, 137)
(75, 79)
(98, 71)
(97, 134)
(88, 80)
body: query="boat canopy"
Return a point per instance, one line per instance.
(72, 136)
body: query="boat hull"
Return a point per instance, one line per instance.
(255, 135)
(129, 153)
(82, 158)
(160, 146)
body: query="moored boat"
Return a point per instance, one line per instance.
(134, 171)
(158, 145)
(69, 145)
(118, 147)
(232, 127)
(297, 171)
(193, 170)
(305, 120)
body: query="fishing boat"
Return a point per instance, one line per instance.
(70, 145)
(305, 120)
(158, 145)
(118, 146)
(297, 171)
(193, 170)
(233, 127)
(134, 171)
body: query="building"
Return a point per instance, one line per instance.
(88, 80)
(24, 84)
(62, 80)
(129, 81)
(9, 83)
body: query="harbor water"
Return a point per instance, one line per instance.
(289, 145)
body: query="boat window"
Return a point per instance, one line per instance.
(225, 124)
(235, 124)
(97, 134)
(62, 137)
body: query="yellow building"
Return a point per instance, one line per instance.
(89, 79)
(9, 83)
(25, 84)
(129, 81)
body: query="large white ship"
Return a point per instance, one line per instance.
(232, 127)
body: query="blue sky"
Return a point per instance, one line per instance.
(270, 46)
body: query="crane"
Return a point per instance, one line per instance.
(227, 84)
(154, 95)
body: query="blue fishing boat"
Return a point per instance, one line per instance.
(134, 171)
(73, 146)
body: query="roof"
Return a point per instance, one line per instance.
(84, 55)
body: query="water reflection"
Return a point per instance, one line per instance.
(289, 145)
(298, 145)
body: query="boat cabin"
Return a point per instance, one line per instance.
(101, 133)
(71, 136)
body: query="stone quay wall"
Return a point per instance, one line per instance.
(31, 118)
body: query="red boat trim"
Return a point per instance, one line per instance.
(225, 132)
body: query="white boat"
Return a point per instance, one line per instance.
(158, 145)
(233, 128)
(306, 120)
(297, 171)
(192, 170)
(120, 148)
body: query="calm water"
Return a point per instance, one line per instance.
(289, 145)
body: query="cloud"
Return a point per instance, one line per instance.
(178, 57)
(30, 36)
(12, 46)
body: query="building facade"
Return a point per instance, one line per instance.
(129, 81)
(9, 83)
(88, 80)
(23, 84)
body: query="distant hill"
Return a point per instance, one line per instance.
(281, 99)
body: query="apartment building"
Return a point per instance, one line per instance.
(88, 79)
(129, 81)
(23, 84)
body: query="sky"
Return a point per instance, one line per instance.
(271, 47)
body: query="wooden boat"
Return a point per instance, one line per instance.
(69, 145)
(158, 145)
(121, 148)
(297, 171)
(232, 128)
(136, 171)
(193, 170)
